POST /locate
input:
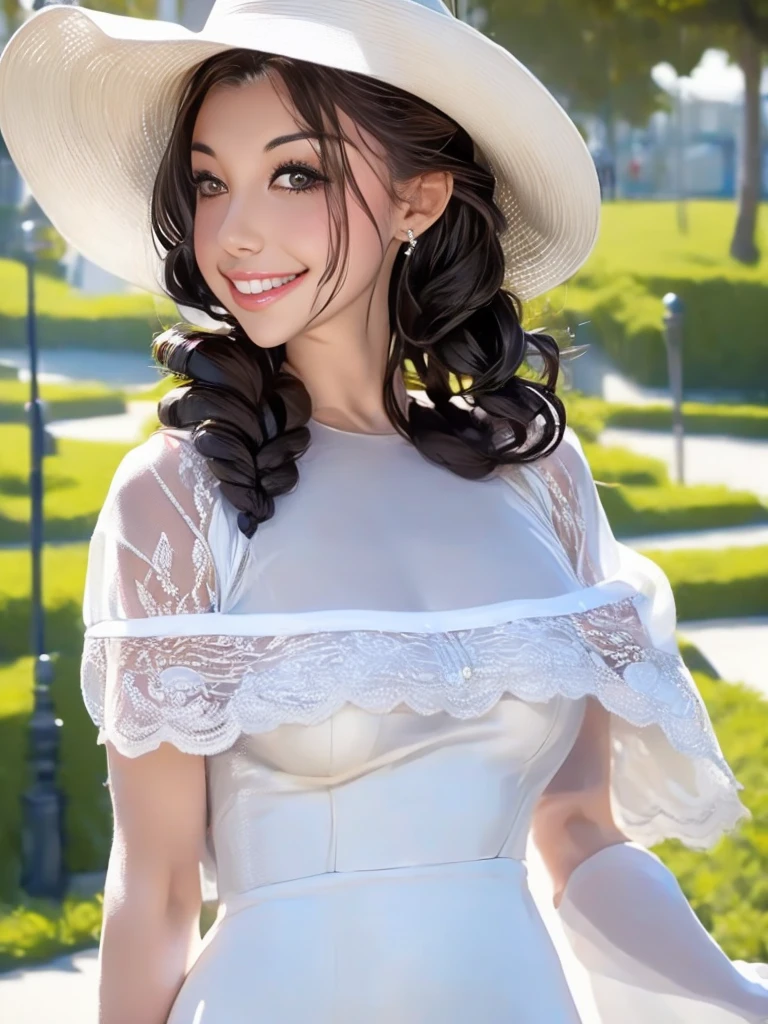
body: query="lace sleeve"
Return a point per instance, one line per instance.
(149, 556)
(669, 778)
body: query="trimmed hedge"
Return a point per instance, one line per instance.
(641, 256)
(62, 401)
(589, 416)
(636, 510)
(724, 583)
(750, 421)
(622, 466)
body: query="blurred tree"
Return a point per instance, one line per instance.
(741, 28)
(594, 58)
(597, 61)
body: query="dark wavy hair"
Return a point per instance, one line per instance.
(450, 316)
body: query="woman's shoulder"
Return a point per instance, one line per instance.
(166, 465)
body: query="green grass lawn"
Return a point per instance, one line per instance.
(83, 765)
(75, 481)
(640, 256)
(70, 318)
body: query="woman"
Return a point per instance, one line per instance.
(350, 646)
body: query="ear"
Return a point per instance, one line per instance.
(426, 198)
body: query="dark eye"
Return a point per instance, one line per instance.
(298, 177)
(206, 185)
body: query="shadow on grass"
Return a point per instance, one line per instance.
(15, 486)
(74, 529)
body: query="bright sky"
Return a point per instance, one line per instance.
(713, 79)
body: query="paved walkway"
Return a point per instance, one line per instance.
(736, 648)
(739, 463)
(60, 992)
(726, 537)
(128, 426)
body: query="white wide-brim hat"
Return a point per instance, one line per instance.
(88, 101)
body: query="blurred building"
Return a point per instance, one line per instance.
(693, 148)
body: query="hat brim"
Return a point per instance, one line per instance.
(88, 101)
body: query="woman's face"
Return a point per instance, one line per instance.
(261, 215)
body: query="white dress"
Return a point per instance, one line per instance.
(383, 681)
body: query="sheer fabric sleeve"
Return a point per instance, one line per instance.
(149, 556)
(669, 778)
(642, 951)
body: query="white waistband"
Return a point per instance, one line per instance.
(504, 868)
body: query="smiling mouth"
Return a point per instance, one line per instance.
(258, 292)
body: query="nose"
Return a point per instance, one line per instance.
(239, 233)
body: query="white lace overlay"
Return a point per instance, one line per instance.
(201, 691)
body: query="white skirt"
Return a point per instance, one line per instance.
(450, 943)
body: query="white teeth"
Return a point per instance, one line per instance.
(256, 287)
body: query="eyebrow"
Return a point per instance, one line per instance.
(281, 140)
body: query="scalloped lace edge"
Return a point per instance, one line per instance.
(724, 808)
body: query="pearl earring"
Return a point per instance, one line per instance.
(412, 241)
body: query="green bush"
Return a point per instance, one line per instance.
(68, 318)
(749, 421)
(621, 466)
(62, 401)
(641, 256)
(724, 583)
(587, 415)
(38, 930)
(75, 482)
(634, 510)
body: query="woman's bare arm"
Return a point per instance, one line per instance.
(573, 817)
(152, 899)
(623, 912)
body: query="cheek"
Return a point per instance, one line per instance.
(366, 245)
(301, 228)
(204, 236)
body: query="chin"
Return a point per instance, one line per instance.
(266, 339)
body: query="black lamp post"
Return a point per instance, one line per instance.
(43, 872)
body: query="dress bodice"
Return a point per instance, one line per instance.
(362, 791)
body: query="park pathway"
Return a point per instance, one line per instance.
(60, 992)
(738, 462)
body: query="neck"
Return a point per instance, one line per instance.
(342, 363)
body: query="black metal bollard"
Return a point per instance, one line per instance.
(674, 319)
